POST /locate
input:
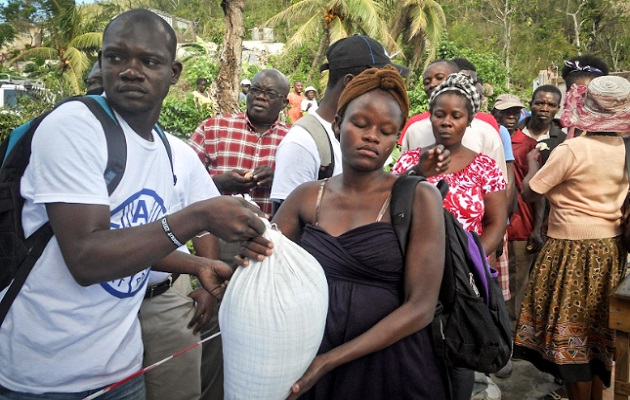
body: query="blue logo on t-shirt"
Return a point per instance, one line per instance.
(141, 208)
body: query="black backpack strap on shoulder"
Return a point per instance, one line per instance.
(311, 124)
(39, 239)
(116, 142)
(116, 162)
(401, 206)
(167, 145)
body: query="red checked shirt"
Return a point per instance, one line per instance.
(230, 141)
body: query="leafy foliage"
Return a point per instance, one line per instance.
(181, 115)
(198, 62)
(27, 109)
(418, 99)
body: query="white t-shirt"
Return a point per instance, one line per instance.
(297, 159)
(480, 137)
(60, 336)
(310, 109)
(193, 184)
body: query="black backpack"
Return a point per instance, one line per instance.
(19, 254)
(470, 328)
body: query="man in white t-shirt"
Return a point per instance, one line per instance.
(297, 158)
(73, 328)
(172, 313)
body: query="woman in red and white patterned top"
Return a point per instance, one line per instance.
(476, 193)
(476, 185)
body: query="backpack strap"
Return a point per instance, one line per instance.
(115, 167)
(626, 143)
(115, 137)
(401, 206)
(116, 143)
(39, 239)
(324, 146)
(167, 145)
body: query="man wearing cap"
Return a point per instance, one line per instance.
(295, 102)
(525, 223)
(245, 84)
(298, 159)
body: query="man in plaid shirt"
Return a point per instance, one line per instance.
(239, 150)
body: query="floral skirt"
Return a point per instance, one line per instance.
(563, 325)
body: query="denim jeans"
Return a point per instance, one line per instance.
(132, 390)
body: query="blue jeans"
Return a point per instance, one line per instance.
(132, 390)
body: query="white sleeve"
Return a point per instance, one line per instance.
(201, 186)
(69, 154)
(496, 151)
(297, 162)
(419, 134)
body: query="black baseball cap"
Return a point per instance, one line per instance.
(358, 51)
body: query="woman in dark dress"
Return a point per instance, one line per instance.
(376, 344)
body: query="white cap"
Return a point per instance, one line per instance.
(246, 82)
(309, 88)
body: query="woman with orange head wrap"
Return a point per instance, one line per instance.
(376, 343)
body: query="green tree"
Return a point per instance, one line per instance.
(417, 23)
(69, 41)
(7, 34)
(326, 21)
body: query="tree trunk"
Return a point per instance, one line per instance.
(323, 45)
(230, 61)
(398, 25)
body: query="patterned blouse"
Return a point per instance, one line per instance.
(467, 186)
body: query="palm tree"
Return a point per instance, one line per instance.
(420, 24)
(330, 20)
(69, 42)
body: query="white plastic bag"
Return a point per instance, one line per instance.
(272, 320)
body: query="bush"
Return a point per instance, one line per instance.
(181, 115)
(9, 120)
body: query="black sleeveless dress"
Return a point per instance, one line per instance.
(364, 269)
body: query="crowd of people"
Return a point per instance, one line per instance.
(110, 296)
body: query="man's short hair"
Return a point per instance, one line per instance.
(464, 64)
(547, 89)
(141, 15)
(450, 63)
(201, 80)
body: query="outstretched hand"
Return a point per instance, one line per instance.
(255, 249)
(433, 161)
(234, 219)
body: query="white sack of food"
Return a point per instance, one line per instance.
(272, 321)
